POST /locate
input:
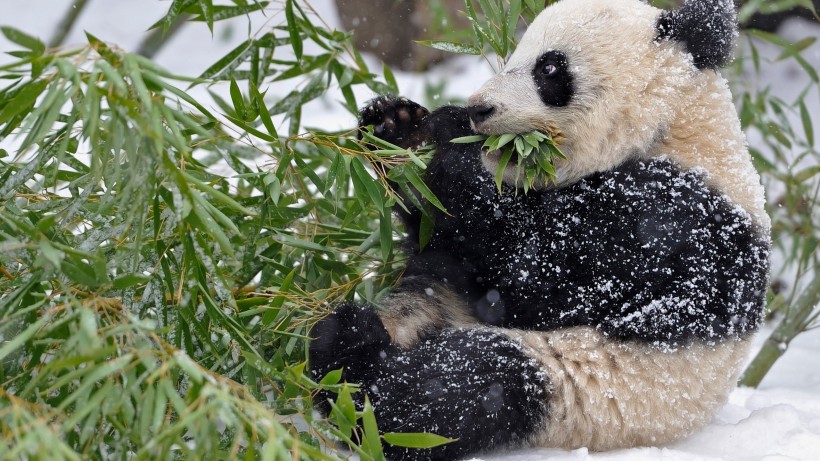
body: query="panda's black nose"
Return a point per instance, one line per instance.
(481, 112)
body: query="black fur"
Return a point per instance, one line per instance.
(706, 27)
(350, 331)
(644, 251)
(558, 88)
(476, 386)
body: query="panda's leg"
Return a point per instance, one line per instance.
(474, 385)
(420, 306)
(607, 393)
(353, 336)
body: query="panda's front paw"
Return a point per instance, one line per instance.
(395, 120)
(352, 337)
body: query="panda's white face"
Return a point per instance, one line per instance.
(592, 72)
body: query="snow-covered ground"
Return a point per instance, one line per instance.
(778, 421)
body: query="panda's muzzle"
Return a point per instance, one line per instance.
(480, 112)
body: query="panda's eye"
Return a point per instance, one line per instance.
(549, 70)
(553, 77)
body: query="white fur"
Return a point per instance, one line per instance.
(608, 394)
(634, 96)
(407, 315)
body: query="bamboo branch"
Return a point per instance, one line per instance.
(795, 322)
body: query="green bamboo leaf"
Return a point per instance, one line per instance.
(22, 337)
(80, 272)
(514, 11)
(451, 47)
(333, 173)
(806, 174)
(794, 49)
(94, 375)
(332, 377)
(217, 195)
(302, 244)
(344, 401)
(416, 440)
(49, 253)
(367, 182)
(474, 22)
(177, 7)
(190, 367)
(27, 41)
(293, 30)
(389, 78)
(492, 10)
(251, 130)
(506, 155)
(264, 115)
(222, 12)
(104, 50)
(89, 406)
(469, 139)
(420, 186)
(23, 101)
(129, 280)
(503, 140)
(426, 228)
(238, 100)
(386, 233)
(229, 62)
(805, 117)
(297, 98)
(207, 9)
(274, 187)
(209, 225)
(415, 159)
(810, 70)
(372, 442)
(519, 146)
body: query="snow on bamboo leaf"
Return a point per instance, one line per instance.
(535, 153)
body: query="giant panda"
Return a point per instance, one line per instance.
(612, 308)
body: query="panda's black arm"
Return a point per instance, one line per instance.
(453, 171)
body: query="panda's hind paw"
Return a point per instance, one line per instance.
(395, 120)
(352, 337)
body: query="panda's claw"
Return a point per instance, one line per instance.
(395, 120)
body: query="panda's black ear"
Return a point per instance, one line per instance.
(708, 28)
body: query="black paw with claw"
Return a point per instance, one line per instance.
(395, 120)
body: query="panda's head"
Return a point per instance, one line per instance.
(618, 79)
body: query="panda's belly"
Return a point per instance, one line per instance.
(644, 252)
(607, 394)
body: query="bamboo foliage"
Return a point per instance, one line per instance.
(151, 307)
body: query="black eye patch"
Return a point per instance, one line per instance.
(553, 79)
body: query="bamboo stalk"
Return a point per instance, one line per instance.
(65, 26)
(154, 42)
(794, 323)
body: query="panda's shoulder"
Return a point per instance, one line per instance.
(655, 182)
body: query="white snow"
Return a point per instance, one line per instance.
(778, 421)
